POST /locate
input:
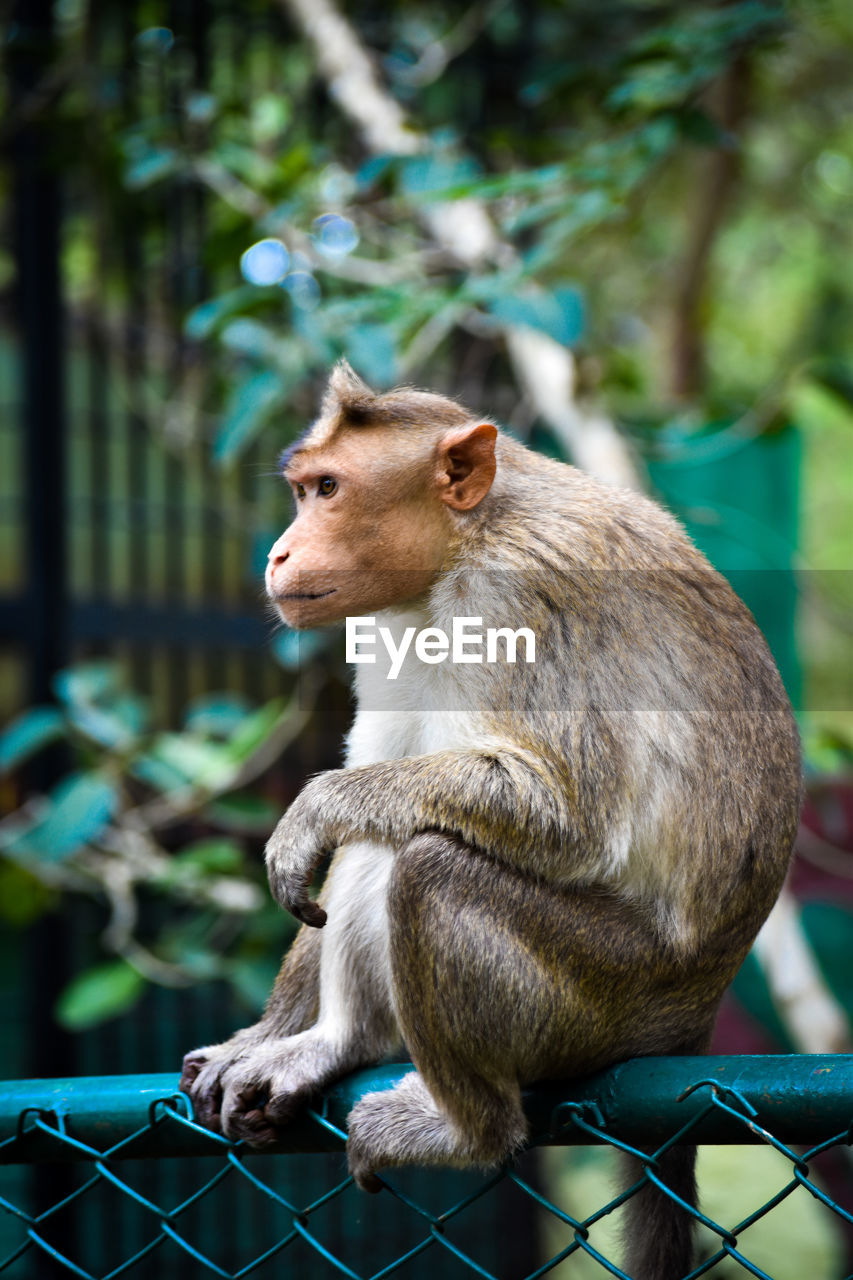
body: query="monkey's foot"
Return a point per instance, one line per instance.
(250, 1093)
(400, 1126)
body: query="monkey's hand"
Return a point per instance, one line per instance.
(292, 853)
(250, 1093)
(500, 799)
(204, 1070)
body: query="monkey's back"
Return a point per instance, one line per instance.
(654, 698)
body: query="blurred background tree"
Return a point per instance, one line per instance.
(620, 226)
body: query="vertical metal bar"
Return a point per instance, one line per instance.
(200, 18)
(39, 307)
(175, 491)
(97, 350)
(38, 297)
(136, 545)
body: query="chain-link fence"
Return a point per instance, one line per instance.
(801, 1107)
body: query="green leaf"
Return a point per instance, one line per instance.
(251, 404)
(158, 774)
(245, 812)
(206, 318)
(374, 169)
(559, 314)
(116, 727)
(270, 116)
(217, 715)
(149, 166)
(215, 855)
(571, 304)
(98, 705)
(514, 183)
(371, 351)
(97, 994)
(28, 734)
(584, 210)
(253, 732)
(435, 176)
(653, 86)
(78, 810)
(249, 337)
(132, 711)
(195, 760)
(247, 162)
(88, 682)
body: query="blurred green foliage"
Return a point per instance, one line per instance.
(585, 132)
(162, 827)
(583, 129)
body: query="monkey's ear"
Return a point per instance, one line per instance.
(466, 465)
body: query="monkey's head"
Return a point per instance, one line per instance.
(380, 483)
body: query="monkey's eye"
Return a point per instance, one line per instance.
(327, 486)
(300, 490)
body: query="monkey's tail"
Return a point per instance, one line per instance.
(658, 1232)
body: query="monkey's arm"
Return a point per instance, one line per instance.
(505, 801)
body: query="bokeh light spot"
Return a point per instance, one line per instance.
(335, 235)
(265, 262)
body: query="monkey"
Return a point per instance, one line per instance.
(538, 868)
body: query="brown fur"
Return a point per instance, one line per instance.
(577, 879)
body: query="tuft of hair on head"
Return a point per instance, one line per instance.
(346, 393)
(349, 401)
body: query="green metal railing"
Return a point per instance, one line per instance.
(801, 1106)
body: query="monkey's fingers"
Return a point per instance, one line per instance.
(255, 1114)
(192, 1065)
(309, 913)
(207, 1105)
(244, 1117)
(369, 1182)
(291, 892)
(362, 1171)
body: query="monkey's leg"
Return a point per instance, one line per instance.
(271, 1079)
(499, 981)
(405, 1125)
(467, 997)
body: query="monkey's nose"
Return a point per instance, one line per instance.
(277, 558)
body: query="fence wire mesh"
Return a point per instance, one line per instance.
(800, 1107)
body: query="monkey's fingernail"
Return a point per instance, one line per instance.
(192, 1065)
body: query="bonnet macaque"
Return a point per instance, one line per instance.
(541, 867)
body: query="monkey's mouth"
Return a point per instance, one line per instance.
(305, 595)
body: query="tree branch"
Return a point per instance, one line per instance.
(715, 185)
(463, 229)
